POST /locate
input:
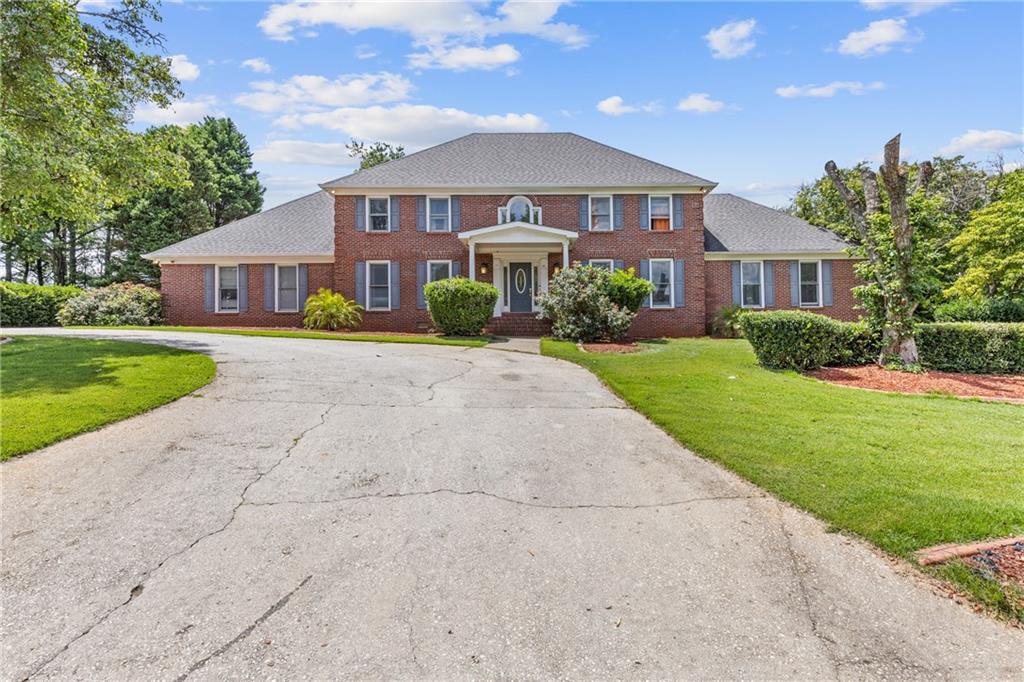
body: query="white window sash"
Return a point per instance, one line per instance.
(277, 289)
(671, 283)
(609, 261)
(800, 288)
(387, 210)
(430, 221)
(760, 283)
(369, 288)
(650, 213)
(437, 262)
(216, 289)
(590, 213)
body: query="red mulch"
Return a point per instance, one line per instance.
(997, 386)
(1005, 564)
(611, 347)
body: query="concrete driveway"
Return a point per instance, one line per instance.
(353, 510)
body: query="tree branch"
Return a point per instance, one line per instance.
(858, 212)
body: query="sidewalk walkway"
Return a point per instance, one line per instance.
(518, 344)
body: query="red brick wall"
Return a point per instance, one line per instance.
(182, 290)
(719, 288)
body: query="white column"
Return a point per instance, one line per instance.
(497, 272)
(472, 260)
(565, 254)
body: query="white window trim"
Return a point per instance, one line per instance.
(367, 276)
(387, 202)
(650, 214)
(216, 289)
(609, 261)
(431, 262)
(277, 288)
(533, 207)
(611, 212)
(448, 228)
(800, 284)
(671, 282)
(760, 287)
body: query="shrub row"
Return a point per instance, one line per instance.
(31, 305)
(972, 347)
(794, 339)
(117, 304)
(983, 310)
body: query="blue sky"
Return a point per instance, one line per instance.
(755, 96)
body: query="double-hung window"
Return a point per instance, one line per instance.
(660, 213)
(810, 283)
(604, 263)
(287, 288)
(378, 214)
(600, 214)
(439, 214)
(751, 284)
(227, 289)
(438, 269)
(378, 285)
(661, 278)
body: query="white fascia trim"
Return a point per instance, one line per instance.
(765, 255)
(541, 229)
(236, 260)
(519, 189)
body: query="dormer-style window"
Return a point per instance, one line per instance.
(519, 209)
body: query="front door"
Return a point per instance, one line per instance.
(520, 281)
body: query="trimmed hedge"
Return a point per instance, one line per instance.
(460, 306)
(32, 305)
(972, 347)
(983, 310)
(795, 339)
(114, 305)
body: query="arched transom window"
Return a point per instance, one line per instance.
(519, 209)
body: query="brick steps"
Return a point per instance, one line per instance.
(518, 324)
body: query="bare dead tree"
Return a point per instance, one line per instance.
(893, 275)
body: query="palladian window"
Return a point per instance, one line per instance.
(519, 209)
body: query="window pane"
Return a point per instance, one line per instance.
(379, 206)
(287, 288)
(751, 273)
(228, 293)
(287, 277)
(439, 207)
(808, 294)
(659, 206)
(809, 273)
(379, 297)
(752, 294)
(439, 271)
(518, 209)
(228, 277)
(661, 276)
(379, 274)
(603, 264)
(600, 213)
(379, 214)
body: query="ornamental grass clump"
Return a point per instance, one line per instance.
(587, 304)
(327, 309)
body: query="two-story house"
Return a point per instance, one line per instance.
(511, 209)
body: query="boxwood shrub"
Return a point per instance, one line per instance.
(460, 306)
(114, 305)
(972, 347)
(796, 339)
(31, 305)
(981, 310)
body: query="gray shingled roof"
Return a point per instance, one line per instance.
(301, 227)
(732, 223)
(519, 160)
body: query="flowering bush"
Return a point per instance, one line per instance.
(114, 305)
(579, 304)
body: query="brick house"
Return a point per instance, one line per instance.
(511, 209)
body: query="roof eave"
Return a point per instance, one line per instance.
(702, 187)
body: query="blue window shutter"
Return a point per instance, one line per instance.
(456, 214)
(361, 283)
(396, 286)
(243, 288)
(456, 268)
(209, 286)
(395, 220)
(421, 281)
(677, 282)
(826, 282)
(645, 273)
(421, 214)
(303, 285)
(620, 265)
(268, 287)
(677, 211)
(737, 291)
(794, 283)
(769, 283)
(360, 214)
(618, 212)
(645, 216)
(584, 209)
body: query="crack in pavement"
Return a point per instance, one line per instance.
(274, 608)
(137, 590)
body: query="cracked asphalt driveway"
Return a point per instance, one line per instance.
(354, 510)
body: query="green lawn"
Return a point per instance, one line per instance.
(472, 341)
(53, 388)
(905, 472)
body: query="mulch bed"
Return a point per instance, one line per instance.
(610, 347)
(1005, 564)
(991, 386)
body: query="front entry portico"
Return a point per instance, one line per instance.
(519, 251)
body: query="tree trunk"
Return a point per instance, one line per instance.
(39, 271)
(8, 264)
(107, 250)
(898, 336)
(72, 255)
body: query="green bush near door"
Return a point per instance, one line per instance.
(460, 306)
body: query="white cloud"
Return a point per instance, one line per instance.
(302, 152)
(412, 125)
(616, 106)
(913, 9)
(365, 51)
(183, 69)
(257, 64)
(180, 113)
(700, 103)
(830, 90)
(732, 39)
(983, 141)
(464, 57)
(878, 38)
(304, 93)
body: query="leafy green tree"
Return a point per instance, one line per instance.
(374, 154)
(992, 244)
(235, 190)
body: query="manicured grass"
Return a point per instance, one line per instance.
(54, 388)
(905, 472)
(471, 341)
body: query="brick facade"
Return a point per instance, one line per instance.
(707, 284)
